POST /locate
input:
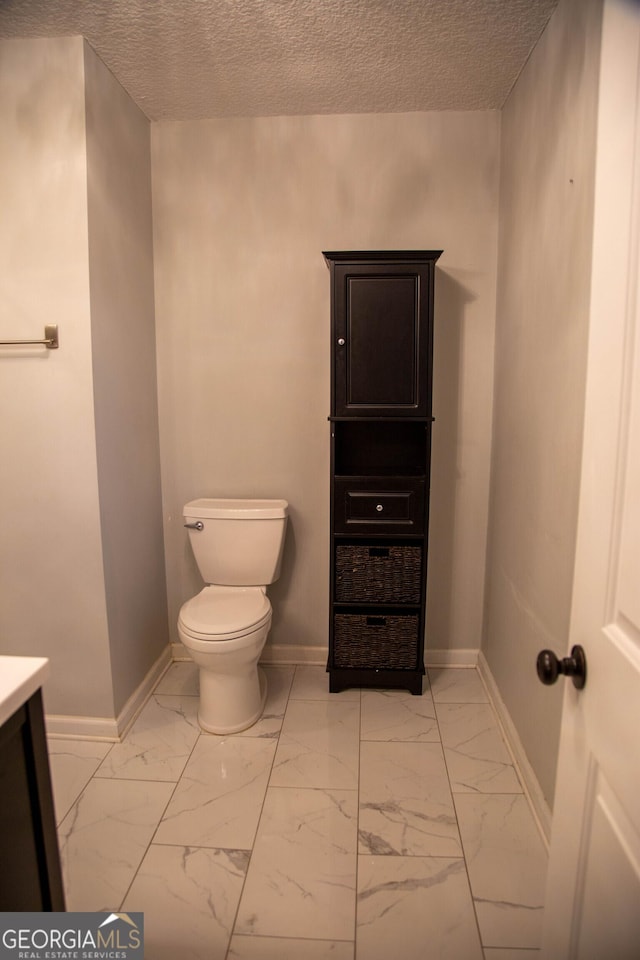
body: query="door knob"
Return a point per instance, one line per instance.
(575, 666)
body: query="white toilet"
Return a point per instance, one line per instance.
(238, 548)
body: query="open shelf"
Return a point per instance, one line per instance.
(381, 448)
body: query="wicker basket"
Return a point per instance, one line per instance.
(388, 642)
(378, 574)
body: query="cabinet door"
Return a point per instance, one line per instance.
(382, 339)
(30, 878)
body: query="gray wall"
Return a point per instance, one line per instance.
(124, 377)
(52, 600)
(242, 212)
(546, 205)
(78, 433)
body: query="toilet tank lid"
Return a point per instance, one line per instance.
(236, 509)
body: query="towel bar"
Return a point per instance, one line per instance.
(50, 339)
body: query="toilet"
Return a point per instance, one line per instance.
(237, 545)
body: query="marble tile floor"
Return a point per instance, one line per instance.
(364, 825)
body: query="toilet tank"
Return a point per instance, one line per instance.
(240, 542)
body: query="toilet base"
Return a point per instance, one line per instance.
(234, 705)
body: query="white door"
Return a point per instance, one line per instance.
(592, 909)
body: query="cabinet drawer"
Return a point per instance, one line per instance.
(388, 642)
(378, 574)
(371, 504)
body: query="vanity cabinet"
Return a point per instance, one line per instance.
(381, 390)
(30, 879)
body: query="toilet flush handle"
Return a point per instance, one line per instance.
(198, 525)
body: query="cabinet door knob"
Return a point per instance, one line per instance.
(341, 341)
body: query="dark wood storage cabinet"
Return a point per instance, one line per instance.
(30, 878)
(382, 361)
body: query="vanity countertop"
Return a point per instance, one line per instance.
(20, 677)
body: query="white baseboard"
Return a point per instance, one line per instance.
(179, 651)
(113, 729)
(276, 653)
(531, 786)
(298, 654)
(61, 727)
(290, 653)
(450, 658)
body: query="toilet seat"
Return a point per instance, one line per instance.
(224, 613)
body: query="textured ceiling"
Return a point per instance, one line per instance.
(184, 59)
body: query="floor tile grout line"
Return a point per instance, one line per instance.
(523, 783)
(469, 756)
(522, 793)
(512, 756)
(77, 798)
(201, 735)
(71, 806)
(455, 812)
(95, 776)
(232, 926)
(159, 821)
(524, 789)
(357, 848)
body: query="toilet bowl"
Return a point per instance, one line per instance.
(238, 547)
(233, 689)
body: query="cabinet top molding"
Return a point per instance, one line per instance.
(389, 256)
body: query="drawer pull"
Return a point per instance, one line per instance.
(379, 508)
(376, 621)
(379, 552)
